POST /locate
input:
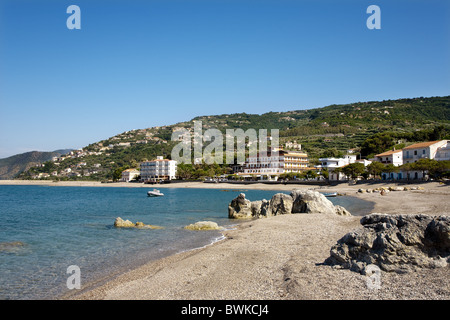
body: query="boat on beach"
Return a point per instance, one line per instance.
(155, 193)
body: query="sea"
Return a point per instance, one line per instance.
(44, 230)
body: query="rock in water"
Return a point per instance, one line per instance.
(11, 247)
(203, 225)
(398, 243)
(311, 202)
(120, 223)
(240, 208)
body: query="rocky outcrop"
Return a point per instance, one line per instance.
(310, 201)
(240, 208)
(341, 211)
(203, 225)
(120, 223)
(298, 201)
(280, 203)
(398, 243)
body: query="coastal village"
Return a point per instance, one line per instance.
(288, 162)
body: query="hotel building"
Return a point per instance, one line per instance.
(159, 169)
(275, 163)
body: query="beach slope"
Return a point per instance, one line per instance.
(282, 257)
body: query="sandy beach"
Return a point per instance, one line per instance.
(278, 258)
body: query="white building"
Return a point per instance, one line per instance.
(423, 150)
(267, 165)
(394, 157)
(437, 150)
(129, 174)
(332, 163)
(443, 153)
(159, 169)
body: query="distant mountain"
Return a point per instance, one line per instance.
(12, 166)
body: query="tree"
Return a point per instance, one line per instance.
(440, 169)
(377, 143)
(332, 153)
(117, 173)
(424, 165)
(406, 167)
(390, 168)
(325, 173)
(353, 170)
(310, 174)
(376, 169)
(185, 171)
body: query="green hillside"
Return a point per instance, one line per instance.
(327, 131)
(14, 165)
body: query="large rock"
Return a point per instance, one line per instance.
(309, 201)
(341, 211)
(398, 243)
(203, 225)
(240, 208)
(120, 223)
(298, 201)
(280, 204)
(261, 208)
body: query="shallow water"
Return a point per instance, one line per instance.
(44, 230)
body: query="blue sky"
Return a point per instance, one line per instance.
(137, 64)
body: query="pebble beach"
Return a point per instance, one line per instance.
(280, 257)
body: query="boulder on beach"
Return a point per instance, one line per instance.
(260, 208)
(299, 201)
(341, 211)
(280, 203)
(399, 243)
(240, 208)
(203, 225)
(309, 201)
(120, 223)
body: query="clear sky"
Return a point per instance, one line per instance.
(137, 64)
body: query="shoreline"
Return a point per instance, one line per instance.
(281, 258)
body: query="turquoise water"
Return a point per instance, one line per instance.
(44, 230)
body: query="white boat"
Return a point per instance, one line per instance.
(334, 194)
(155, 193)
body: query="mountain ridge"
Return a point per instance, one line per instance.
(14, 165)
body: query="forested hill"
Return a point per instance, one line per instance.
(327, 131)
